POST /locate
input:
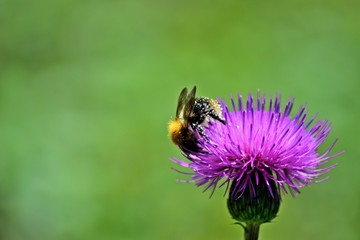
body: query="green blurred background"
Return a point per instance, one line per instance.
(87, 88)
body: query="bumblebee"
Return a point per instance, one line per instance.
(192, 114)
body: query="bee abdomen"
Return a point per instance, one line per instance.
(182, 136)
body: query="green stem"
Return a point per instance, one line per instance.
(252, 231)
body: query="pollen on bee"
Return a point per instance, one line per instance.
(216, 106)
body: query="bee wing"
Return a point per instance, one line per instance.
(189, 104)
(181, 102)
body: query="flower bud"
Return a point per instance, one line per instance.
(256, 205)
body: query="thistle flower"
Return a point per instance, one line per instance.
(260, 152)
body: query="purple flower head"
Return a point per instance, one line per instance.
(260, 143)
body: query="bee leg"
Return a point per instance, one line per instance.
(200, 131)
(215, 116)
